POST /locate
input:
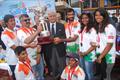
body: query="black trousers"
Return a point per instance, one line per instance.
(57, 63)
(101, 69)
(47, 60)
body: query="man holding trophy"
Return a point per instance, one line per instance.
(55, 51)
(28, 38)
(51, 40)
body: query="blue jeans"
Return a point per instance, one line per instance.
(39, 69)
(82, 63)
(89, 70)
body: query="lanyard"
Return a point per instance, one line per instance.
(84, 30)
(98, 39)
(70, 76)
(70, 29)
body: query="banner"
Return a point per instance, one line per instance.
(17, 7)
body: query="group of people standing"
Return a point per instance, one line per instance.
(97, 44)
(25, 37)
(94, 41)
(92, 38)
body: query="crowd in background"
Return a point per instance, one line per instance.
(81, 49)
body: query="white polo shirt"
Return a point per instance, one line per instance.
(86, 38)
(23, 72)
(22, 34)
(9, 38)
(77, 74)
(109, 36)
(71, 30)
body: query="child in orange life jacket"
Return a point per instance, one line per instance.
(73, 71)
(23, 70)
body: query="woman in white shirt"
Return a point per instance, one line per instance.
(106, 36)
(87, 44)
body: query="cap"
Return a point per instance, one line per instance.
(73, 55)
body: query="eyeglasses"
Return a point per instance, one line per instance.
(27, 20)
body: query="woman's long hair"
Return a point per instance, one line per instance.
(90, 22)
(105, 22)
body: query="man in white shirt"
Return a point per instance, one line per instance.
(28, 39)
(11, 41)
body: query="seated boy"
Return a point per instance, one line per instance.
(23, 70)
(73, 70)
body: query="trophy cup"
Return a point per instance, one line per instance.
(44, 37)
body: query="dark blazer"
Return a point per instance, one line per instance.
(61, 47)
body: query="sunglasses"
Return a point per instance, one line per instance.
(27, 20)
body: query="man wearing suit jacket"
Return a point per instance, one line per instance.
(55, 52)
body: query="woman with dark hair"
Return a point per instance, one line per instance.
(87, 44)
(106, 35)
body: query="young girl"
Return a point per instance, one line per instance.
(87, 44)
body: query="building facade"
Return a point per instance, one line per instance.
(91, 5)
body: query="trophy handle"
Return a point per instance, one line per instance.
(44, 26)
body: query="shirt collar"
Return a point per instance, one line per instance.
(9, 29)
(53, 23)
